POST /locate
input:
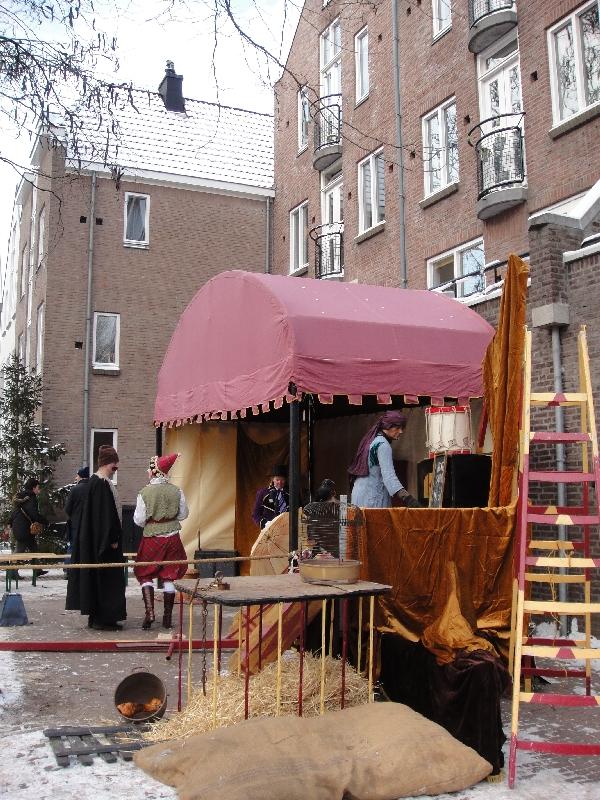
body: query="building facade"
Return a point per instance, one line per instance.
(106, 259)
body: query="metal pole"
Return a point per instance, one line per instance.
(399, 146)
(294, 468)
(87, 346)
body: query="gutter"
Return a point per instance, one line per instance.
(268, 235)
(88, 326)
(399, 146)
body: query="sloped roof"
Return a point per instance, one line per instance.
(246, 336)
(207, 141)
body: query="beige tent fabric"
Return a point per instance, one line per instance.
(206, 471)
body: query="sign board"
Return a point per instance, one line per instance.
(438, 479)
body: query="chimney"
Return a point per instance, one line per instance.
(170, 89)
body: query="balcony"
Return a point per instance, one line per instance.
(499, 145)
(488, 21)
(327, 114)
(329, 250)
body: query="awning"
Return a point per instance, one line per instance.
(245, 337)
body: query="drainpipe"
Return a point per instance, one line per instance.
(88, 325)
(399, 146)
(268, 243)
(559, 416)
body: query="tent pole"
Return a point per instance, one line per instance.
(294, 470)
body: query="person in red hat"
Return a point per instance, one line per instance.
(160, 507)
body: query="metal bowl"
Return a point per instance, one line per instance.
(141, 687)
(325, 571)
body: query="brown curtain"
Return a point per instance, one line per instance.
(502, 378)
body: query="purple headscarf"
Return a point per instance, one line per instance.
(360, 466)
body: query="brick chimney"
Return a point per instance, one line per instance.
(170, 89)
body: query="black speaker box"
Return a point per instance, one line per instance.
(467, 483)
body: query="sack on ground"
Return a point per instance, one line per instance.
(381, 751)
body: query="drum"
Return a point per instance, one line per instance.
(448, 429)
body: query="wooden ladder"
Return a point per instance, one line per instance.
(566, 560)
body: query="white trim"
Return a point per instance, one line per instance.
(372, 159)
(572, 20)
(445, 179)
(115, 442)
(455, 252)
(41, 237)
(575, 255)
(361, 95)
(302, 97)
(39, 337)
(145, 242)
(101, 364)
(299, 243)
(436, 20)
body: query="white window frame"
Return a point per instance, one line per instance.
(20, 349)
(372, 160)
(326, 66)
(303, 108)
(438, 30)
(101, 364)
(295, 232)
(41, 238)
(362, 92)
(115, 442)
(456, 253)
(135, 242)
(24, 273)
(39, 338)
(440, 113)
(573, 20)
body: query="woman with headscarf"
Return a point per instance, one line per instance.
(372, 474)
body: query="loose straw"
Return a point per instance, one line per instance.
(279, 648)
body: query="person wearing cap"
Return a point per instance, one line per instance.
(74, 505)
(99, 593)
(372, 475)
(159, 509)
(273, 499)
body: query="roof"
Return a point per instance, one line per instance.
(246, 336)
(207, 141)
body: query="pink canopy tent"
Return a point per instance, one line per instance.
(245, 337)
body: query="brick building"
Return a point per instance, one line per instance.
(104, 261)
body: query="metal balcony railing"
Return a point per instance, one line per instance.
(480, 281)
(327, 114)
(499, 144)
(329, 250)
(478, 9)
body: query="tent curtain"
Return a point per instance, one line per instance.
(502, 380)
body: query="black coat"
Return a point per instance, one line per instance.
(74, 508)
(98, 592)
(25, 502)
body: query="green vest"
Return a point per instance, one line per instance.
(162, 508)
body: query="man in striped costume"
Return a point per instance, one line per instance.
(160, 507)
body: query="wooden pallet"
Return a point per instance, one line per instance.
(72, 744)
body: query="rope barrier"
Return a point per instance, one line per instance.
(10, 563)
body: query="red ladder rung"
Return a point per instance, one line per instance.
(555, 436)
(560, 748)
(562, 477)
(548, 672)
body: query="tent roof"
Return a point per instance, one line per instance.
(246, 336)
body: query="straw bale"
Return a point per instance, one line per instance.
(197, 716)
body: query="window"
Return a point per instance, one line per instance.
(99, 437)
(440, 147)
(41, 236)
(463, 261)
(106, 340)
(361, 50)
(299, 238)
(574, 47)
(371, 192)
(303, 118)
(39, 335)
(331, 59)
(24, 269)
(21, 347)
(442, 16)
(137, 217)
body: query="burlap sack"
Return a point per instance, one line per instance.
(377, 752)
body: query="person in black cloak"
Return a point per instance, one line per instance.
(99, 593)
(75, 503)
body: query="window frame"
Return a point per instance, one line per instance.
(360, 96)
(572, 19)
(302, 99)
(24, 271)
(435, 19)
(101, 364)
(440, 113)
(40, 320)
(326, 67)
(456, 253)
(300, 268)
(20, 347)
(137, 242)
(115, 442)
(372, 159)
(41, 236)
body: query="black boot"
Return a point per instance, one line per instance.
(168, 602)
(148, 595)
